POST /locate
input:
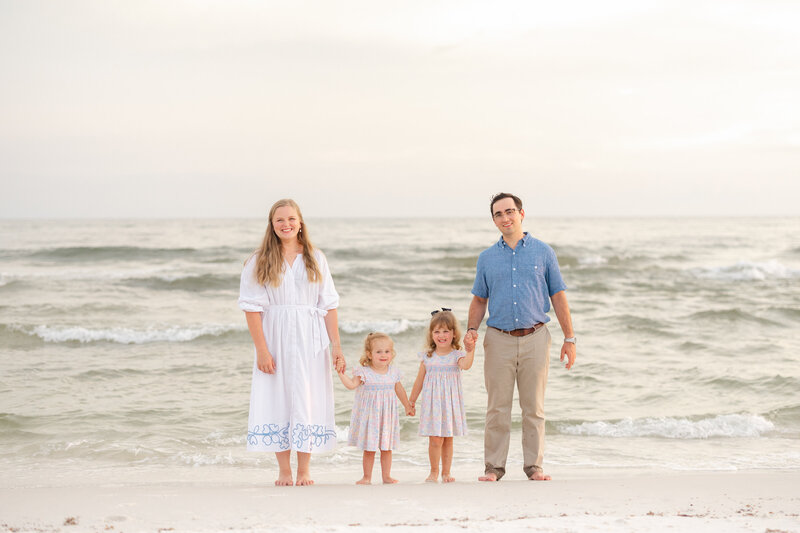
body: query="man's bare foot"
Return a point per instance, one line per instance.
(304, 479)
(432, 478)
(364, 481)
(539, 476)
(389, 480)
(284, 480)
(491, 476)
(447, 478)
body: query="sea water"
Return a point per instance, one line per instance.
(123, 351)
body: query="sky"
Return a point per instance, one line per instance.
(217, 108)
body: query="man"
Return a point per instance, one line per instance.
(517, 278)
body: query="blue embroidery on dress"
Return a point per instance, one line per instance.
(270, 434)
(317, 435)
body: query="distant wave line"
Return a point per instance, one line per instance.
(391, 327)
(731, 425)
(119, 335)
(748, 271)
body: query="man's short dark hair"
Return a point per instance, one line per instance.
(502, 195)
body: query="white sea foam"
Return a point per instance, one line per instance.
(735, 425)
(205, 459)
(392, 327)
(748, 271)
(592, 260)
(127, 335)
(168, 274)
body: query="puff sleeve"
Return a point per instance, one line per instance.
(328, 297)
(252, 296)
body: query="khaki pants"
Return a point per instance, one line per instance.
(526, 361)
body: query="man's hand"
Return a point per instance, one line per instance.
(568, 349)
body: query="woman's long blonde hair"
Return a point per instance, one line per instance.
(366, 357)
(448, 320)
(269, 257)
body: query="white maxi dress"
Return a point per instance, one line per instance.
(293, 408)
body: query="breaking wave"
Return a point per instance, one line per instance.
(57, 334)
(734, 425)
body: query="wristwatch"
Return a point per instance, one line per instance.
(573, 340)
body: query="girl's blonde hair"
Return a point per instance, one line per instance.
(448, 320)
(366, 357)
(269, 257)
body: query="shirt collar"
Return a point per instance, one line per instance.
(526, 239)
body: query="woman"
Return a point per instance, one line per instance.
(290, 302)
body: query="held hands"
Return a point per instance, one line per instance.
(265, 362)
(568, 349)
(411, 410)
(338, 360)
(470, 340)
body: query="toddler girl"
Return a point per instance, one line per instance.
(441, 414)
(374, 423)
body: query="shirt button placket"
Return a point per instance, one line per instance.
(514, 286)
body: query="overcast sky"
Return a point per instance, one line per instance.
(212, 108)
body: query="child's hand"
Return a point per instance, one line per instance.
(469, 342)
(411, 411)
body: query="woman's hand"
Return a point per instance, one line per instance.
(338, 359)
(265, 362)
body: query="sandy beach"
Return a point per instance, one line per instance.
(577, 500)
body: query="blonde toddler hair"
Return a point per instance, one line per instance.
(366, 357)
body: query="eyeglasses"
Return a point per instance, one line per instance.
(443, 309)
(508, 213)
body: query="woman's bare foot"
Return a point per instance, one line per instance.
(304, 479)
(284, 480)
(364, 481)
(389, 480)
(539, 476)
(432, 478)
(491, 476)
(447, 478)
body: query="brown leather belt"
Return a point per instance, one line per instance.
(520, 332)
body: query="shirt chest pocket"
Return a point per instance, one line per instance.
(532, 269)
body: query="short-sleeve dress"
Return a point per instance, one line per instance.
(293, 408)
(374, 422)
(441, 411)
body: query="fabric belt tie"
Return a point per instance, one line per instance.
(316, 332)
(521, 332)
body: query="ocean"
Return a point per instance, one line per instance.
(123, 353)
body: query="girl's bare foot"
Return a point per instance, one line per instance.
(433, 477)
(389, 480)
(491, 476)
(447, 478)
(284, 480)
(364, 481)
(539, 476)
(304, 479)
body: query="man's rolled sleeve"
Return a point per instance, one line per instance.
(555, 283)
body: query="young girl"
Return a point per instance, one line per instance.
(374, 424)
(290, 302)
(441, 415)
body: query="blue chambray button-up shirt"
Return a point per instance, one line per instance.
(518, 282)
